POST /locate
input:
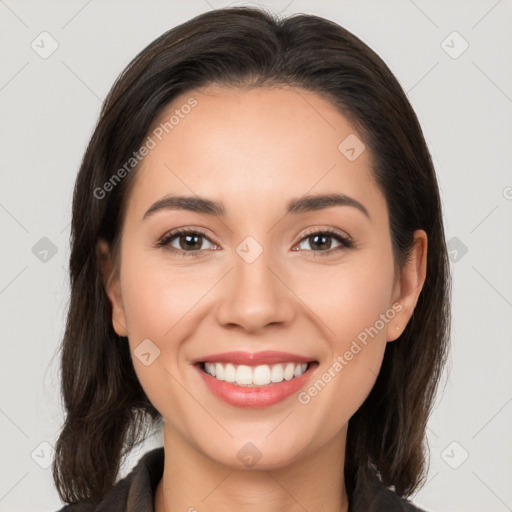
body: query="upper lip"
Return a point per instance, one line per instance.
(251, 359)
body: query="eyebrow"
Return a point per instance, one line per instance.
(294, 206)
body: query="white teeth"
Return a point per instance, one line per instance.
(261, 375)
(277, 374)
(300, 369)
(243, 375)
(229, 373)
(219, 371)
(289, 371)
(210, 368)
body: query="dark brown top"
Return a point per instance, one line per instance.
(135, 492)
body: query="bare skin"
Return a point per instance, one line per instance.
(254, 150)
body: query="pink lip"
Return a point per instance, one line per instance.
(265, 357)
(255, 396)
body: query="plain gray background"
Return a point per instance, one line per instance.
(49, 105)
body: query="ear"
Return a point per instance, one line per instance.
(111, 281)
(409, 285)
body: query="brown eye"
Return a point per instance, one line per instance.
(191, 241)
(321, 241)
(185, 242)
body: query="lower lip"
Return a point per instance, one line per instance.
(255, 396)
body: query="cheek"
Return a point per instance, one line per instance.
(153, 314)
(353, 303)
(159, 300)
(350, 298)
(158, 296)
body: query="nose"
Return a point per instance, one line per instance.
(254, 296)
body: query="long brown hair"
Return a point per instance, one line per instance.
(107, 411)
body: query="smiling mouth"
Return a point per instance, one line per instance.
(255, 376)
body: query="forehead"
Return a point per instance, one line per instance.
(254, 147)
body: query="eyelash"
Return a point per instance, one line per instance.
(345, 241)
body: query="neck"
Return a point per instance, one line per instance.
(193, 482)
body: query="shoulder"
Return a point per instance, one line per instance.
(134, 492)
(373, 496)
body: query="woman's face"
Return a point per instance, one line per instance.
(262, 278)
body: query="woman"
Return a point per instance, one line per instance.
(249, 270)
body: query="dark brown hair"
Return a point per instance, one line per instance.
(107, 411)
